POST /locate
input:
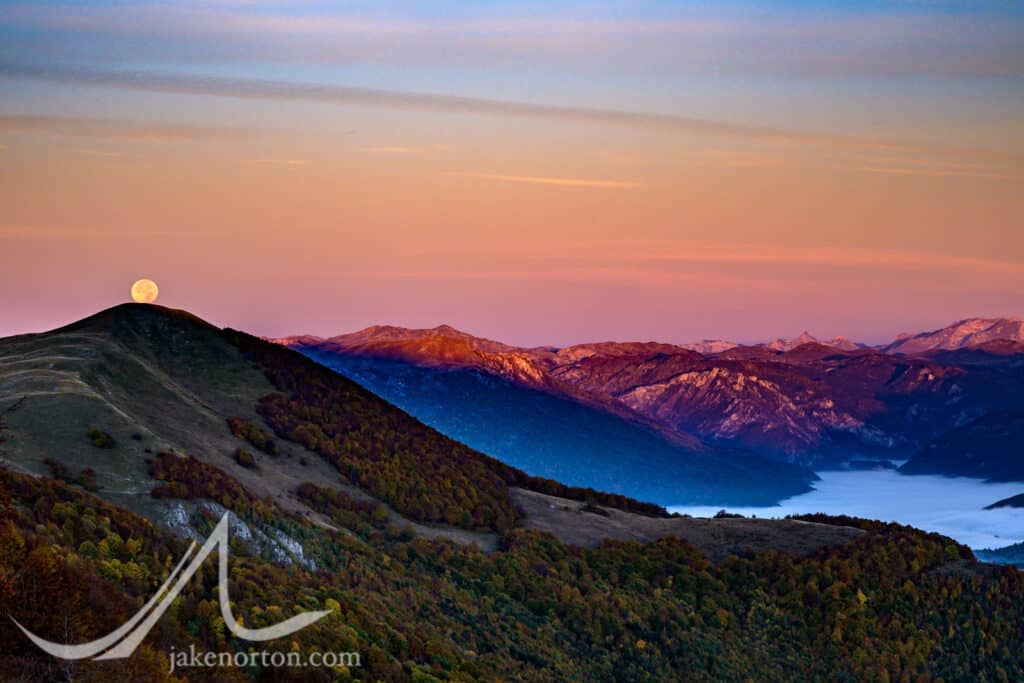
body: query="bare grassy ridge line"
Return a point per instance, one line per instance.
(58, 366)
(54, 368)
(715, 538)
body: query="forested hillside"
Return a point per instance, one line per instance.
(896, 605)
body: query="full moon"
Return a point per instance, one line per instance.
(144, 291)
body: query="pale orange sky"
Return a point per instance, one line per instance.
(742, 207)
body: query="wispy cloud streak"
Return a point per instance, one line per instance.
(401, 149)
(392, 150)
(414, 101)
(103, 154)
(928, 40)
(670, 255)
(21, 232)
(542, 180)
(114, 129)
(911, 166)
(277, 162)
(925, 171)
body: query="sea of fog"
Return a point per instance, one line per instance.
(951, 506)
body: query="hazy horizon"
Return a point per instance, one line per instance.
(528, 344)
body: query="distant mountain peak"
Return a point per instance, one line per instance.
(710, 347)
(966, 333)
(782, 344)
(442, 340)
(786, 345)
(297, 340)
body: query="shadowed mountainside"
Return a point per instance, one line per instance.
(554, 436)
(988, 447)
